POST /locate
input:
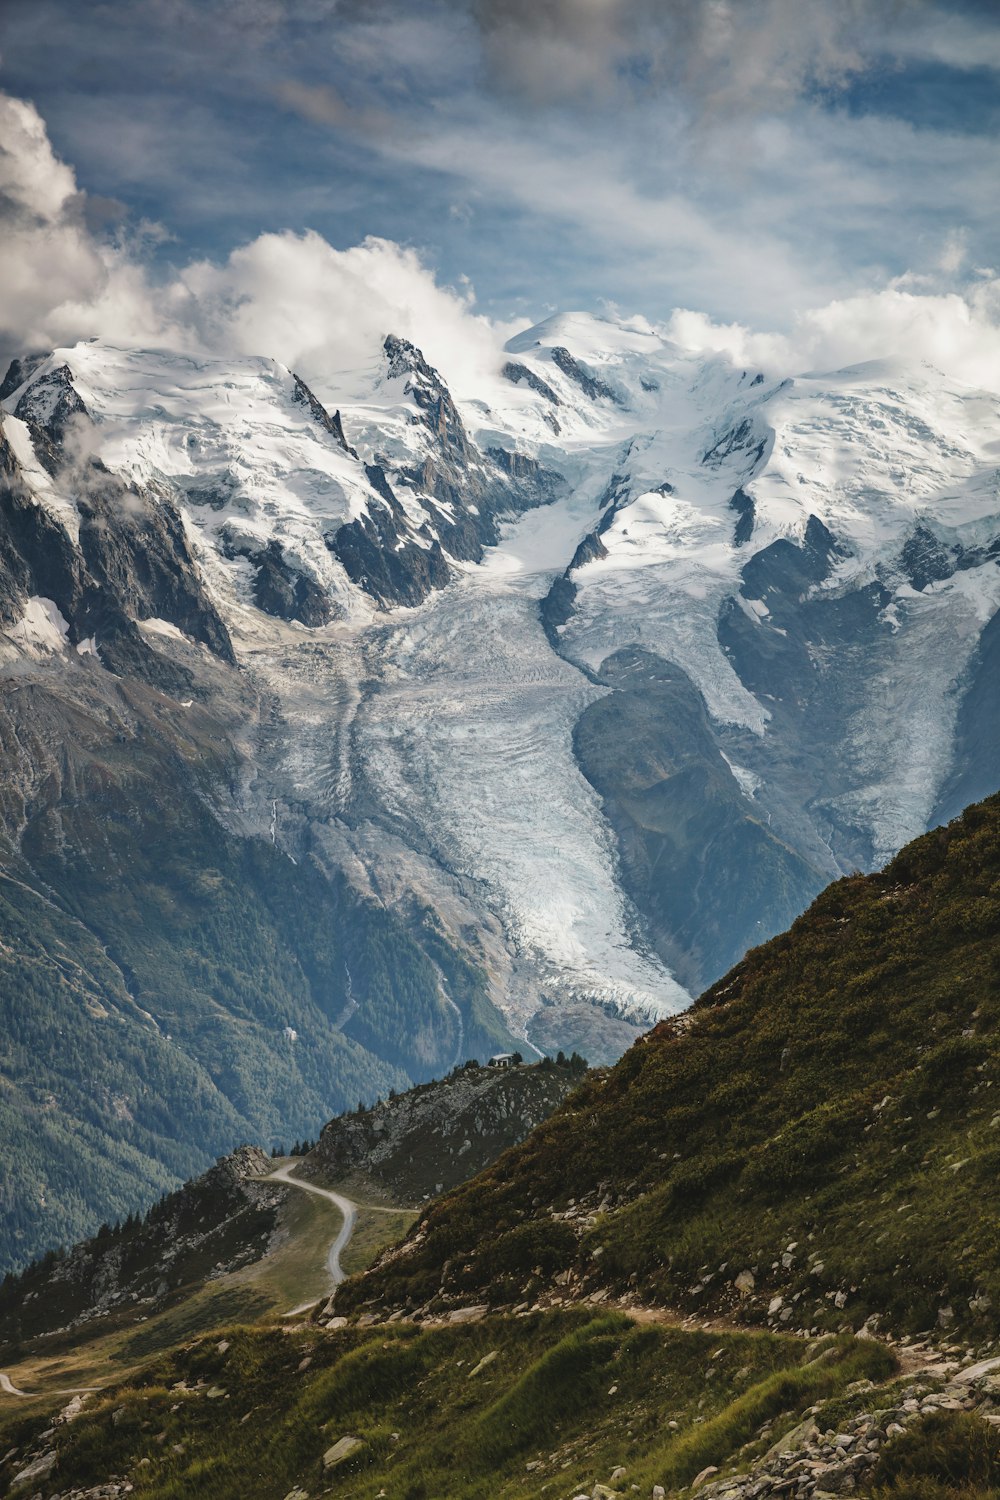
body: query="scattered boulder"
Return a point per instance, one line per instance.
(467, 1314)
(37, 1469)
(343, 1449)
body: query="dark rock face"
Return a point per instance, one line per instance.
(368, 550)
(280, 588)
(787, 569)
(591, 549)
(794, 655)
(516, 373)
(424, 384)
(51, 403)
(925, 559)
(380, 554)
(333, 425)
(36, 555)
(743, 505)
(442, 1133)
(697, 859)
(777, 658)
(559, 603)
(467, 492)
(557, 608)
(134, 544)
(743, 438)
(133, 562)
(18, 371)
(590, 384)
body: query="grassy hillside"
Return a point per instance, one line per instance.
(817, 1142)
(544, 1404)
(813, 1147)
(260, 1245)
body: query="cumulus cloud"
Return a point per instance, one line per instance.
(325, 312)
(958, 332)
(290, 296)
(59, 280)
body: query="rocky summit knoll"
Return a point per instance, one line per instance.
(349, 732)
(419, 1144)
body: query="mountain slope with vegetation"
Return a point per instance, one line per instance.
(240, 1239)
(503, 1409)
(814, 1145)
(416, 1145)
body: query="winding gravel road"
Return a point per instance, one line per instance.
(349, 1213)
(347, 1208)
(10, 1389)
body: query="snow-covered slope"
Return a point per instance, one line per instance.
(900, 467)
(610, 668)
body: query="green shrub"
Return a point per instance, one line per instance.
(945, 1454)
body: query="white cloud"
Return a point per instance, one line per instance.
(59, 281)
(958, 332)
(725, 58)
(290, 296)
(325, 312)
(943, 35)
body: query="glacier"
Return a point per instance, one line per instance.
(787, 579)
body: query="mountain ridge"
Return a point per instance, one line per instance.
(577, 772)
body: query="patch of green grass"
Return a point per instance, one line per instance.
(451, 1412)
(947, 1455)
(787, 1390)
(197, 1315)
(374, 1230)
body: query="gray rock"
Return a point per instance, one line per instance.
(37, 1469)
(343, 1449)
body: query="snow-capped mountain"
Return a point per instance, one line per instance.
(610, 668)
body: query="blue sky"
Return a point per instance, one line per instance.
(747, 158)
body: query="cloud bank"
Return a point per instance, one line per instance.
(60, 281)
(324, 311)
(958, 333)
(290, 296)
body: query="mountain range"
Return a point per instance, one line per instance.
(350, 732)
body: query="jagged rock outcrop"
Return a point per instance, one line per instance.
(464, 493)
(432, 1137)
(213, 1225)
